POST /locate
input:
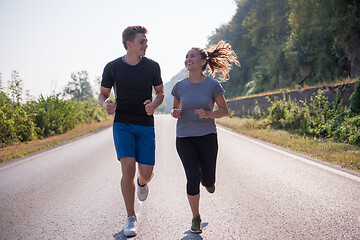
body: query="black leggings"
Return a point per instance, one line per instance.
(198, 156)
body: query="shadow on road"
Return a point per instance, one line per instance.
(189, 236)
(121, 236)
(194, 236)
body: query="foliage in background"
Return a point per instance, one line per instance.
(355, 99)
(79, 87)
(45, 116)
(290, 43)
(318, 118)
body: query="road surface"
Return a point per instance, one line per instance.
(262, 192)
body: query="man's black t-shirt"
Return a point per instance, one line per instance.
(132, 87)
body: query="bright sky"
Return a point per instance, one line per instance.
(47, 40)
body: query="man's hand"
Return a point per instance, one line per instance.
(149, 107)
(109, 107)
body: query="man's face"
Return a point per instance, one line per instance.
(139, 45)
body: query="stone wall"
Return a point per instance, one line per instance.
(244, 106)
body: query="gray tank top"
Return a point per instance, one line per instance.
(195, 96)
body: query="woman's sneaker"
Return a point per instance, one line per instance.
(211, 189)
(129, 228)
(142, 191)
(196, 225)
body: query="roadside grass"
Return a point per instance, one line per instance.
(20, 150)
(342, 154)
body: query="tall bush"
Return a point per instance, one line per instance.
(46, 116)
(15, 123)
(319, 118)
(319, 114)
(355, 99)
(53, 115)
(350, 130)
(7, 130)
(290, 115)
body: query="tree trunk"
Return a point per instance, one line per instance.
(353, 54)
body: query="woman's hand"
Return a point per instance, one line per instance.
(176, 113)
(202, 113)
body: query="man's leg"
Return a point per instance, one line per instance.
(145, 153)
(128, 169)
(145, 173)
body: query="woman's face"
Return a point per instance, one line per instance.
(193, 60)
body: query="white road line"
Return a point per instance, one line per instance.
(45, 152)
(36, 155)
(327, 168)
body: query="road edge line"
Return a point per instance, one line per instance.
(292, 155)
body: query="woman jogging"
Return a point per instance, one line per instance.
(196, 138)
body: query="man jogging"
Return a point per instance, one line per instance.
(133, 77)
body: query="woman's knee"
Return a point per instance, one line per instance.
(192, 189)
(193, 184)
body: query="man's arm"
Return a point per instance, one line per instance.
(105, 102)
(158, 99)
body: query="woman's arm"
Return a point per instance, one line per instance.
(220, 112)
(176, 109)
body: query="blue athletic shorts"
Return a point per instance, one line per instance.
(135, 141)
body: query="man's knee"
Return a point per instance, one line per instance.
(128, 167)
(147, 177)
(146, 172)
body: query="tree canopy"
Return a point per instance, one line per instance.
(79, 87)
(289, 43)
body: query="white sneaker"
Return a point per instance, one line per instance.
(142, 191)
(129, 228)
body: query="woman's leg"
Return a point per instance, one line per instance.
(194, 202)
(189, 157)
(208, 149)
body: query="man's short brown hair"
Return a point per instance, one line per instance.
(130, 32)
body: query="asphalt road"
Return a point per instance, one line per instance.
(262, 192)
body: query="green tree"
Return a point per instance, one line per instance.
(79, 87)
(284, 43)
(234, 33)
(346, 31)
(324, 43)
(16, 87)
(268, 29)
(16, 123)
(7, 130)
